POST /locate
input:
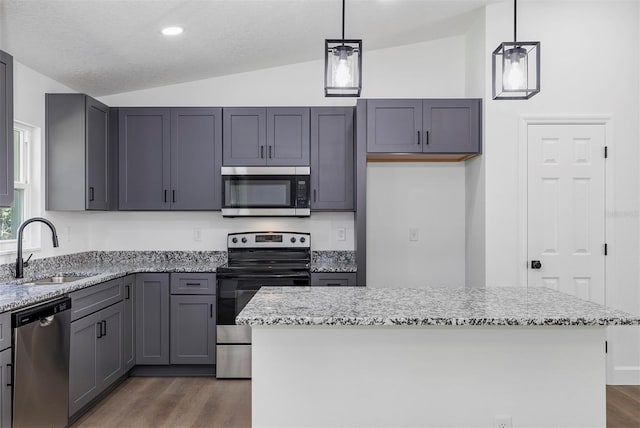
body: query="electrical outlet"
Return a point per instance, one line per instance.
(341, 234)
(503, 421)
(197, 234)
(413, 234)
(68, 237)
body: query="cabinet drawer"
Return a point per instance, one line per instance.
(193, 283)
(92, 299)
(5, 330)
(344, 279)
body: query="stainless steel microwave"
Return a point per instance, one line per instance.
(261, 191)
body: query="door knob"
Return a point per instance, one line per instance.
(535, 264)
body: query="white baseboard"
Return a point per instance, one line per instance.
(625, 375)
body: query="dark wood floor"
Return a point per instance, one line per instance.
(623, 406)
(179, 402)
(174, 402)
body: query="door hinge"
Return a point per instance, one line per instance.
(606, 152)
(606, 249)
(606, 347)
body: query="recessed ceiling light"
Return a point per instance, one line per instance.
(172, 31)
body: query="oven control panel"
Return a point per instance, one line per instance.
(269, 240)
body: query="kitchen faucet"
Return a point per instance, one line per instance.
(54, 236)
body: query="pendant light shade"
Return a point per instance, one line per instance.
(342, 66)
(516, 68)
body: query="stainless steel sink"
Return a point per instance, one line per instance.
(60, 279)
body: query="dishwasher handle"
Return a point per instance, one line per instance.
(40, 313)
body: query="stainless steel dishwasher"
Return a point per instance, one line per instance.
(41, 365)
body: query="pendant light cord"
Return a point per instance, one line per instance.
(343, 1)
(515, 21)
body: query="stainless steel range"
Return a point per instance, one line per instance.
(256, 259)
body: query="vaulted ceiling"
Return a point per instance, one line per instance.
(104, 47)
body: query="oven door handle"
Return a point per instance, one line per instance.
(263, 276)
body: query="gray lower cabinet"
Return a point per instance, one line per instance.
(6, 388)
(6, 129)
(152, 318)
(344, 279)
(129, 323)
(332, 158)
(81, 173)
(193, 327)
(435, 126)
(95, 355)
(259, 136)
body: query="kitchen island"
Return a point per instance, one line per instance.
(433, 357)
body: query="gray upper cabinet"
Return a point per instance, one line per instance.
(193, 329)
(196, 158)
(144, 158)
(434, 126)
(287, 136)
(394, 126)
(152, 318)
(257, 136)
(245, 136)
(129, 324)
(6, 129)
(81, 172)
(332, 161)
(451, 126)
(170, 158)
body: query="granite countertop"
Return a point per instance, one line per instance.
(431, 306)
(333, 261)
(98, 267)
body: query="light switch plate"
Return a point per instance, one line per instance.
(413, 234)
(197, 234)
(341, 234)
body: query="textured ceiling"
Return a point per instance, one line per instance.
(104, 47)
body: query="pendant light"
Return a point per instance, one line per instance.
(342, 66)
(516, 67)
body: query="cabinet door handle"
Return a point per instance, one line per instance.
(211, 310)
(193, 284)
(127, 294)
(165, 196)
(426, 137)
(99, 324)
(104, 323)
(270, 152)
(10, 376)
(261, 152)
(173, 196)
(92, 195)
(418, 137)
(314, 195)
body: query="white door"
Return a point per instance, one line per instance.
(566, 208)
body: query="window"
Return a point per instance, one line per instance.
(11, 218)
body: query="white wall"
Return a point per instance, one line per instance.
(589, 67)
(474, 168)
(428, 69)
(429, 197)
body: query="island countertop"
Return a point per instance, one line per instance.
(515, 306)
